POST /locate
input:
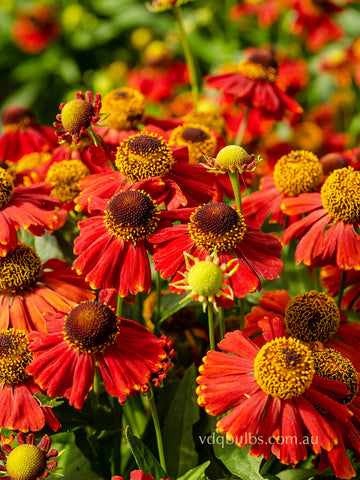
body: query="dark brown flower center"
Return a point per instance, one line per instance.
(194, 135)
(91, 327)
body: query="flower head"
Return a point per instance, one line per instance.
(234, 158)
(124, 108)
(64, 177)
(198, 138)
(161, 5)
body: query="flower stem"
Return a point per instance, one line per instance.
(210, 311)
(188, 56)
(342, 287)
(234, 179)
(119, 304)
(158, 302)
(222, 322)
(155, 417)
(242, 128)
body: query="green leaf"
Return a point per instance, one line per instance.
(297, 474)
(237, 459)
(172, 303)
(183, 413)
(144, 458)
(197, 473)
(47, 247)
(46, 401)
(5, 432)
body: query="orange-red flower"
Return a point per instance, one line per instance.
(330, 277)
(126, 353)
(137, 475)
(28, 288)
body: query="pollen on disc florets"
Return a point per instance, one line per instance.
(284, 368)
(132, 215)
(124, 108)
(216, 226)
(234, 158)
(298, 172)
(6, 187)
(340, 195)
(32, 160)
(331, 364)
(14, 356)
(198, 138)
(19, 270)
(64, 176)
(77, 115)
(259, 65)
(26, 462)
(209, 118)
(91, 327)
(144, 155)
(312, 316)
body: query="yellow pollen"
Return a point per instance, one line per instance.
(91, 327)
(200, 141)
(210, 119)
(312, 316)
(22, 124)
(32, 160)
(331, 364)
(6, 187)
(308, 136)
(216, 226)
(14, 356)
(340, 195)
(143, 156)
(124, 107)
(299, 172)
(284, 368)
(257, 71)
(76, 114)
(64, 176)
(131, 215)
(26, 462)
(19, 270)
(232, 157)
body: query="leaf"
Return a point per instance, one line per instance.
(197, 473)
(47, 247)
(174, 302)
(297, 474)
(46, 401)
(145, 460)
(183, 413)
(237, 459)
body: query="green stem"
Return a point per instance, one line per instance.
(222, 323)
(234, 179)
(158, 301)
(188, 56)
(242, 128)
(210, 310)
(119, 305)
(155, 417)
(96, 387)
(342, 287)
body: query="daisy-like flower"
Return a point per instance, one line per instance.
(77, 117)
(28, 461)
(298, 172)
(110, 244)
(23, 412)
(328, 233)
(310, 317)
(254, 84)
(145, 156)
(29, 288)
(31, 208)
(126, 353)
(272, 393)
(28, 166)
(23, 135)
(330, 277)
(199, 140)
(137, 475)
(218, 226)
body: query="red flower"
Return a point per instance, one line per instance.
(254, 84)
(138, 475)
(23, 135)
(23, 412)
(126, 353)
(266, 11)
(28, 289)
(327, 233)
(31, 208)
(330, 277)
(311, 317)
(217, 226)
(272, 394)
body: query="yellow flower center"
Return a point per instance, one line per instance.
(32, 160)
(284, 368)
(14, 356)
(340, 195)
(211, 119)
(331, 364)
(91, 327)
(64, 176)
(144, 155)
(308, 136)
(205, 278)
(200, 141)
(26, 462)
(257, 71)
(216, 226)
(76, 115)
(131, 215)
(232, 157)
(19, 270)
(296, 173)
(312, 316)
(6, 187)
(125, 108)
